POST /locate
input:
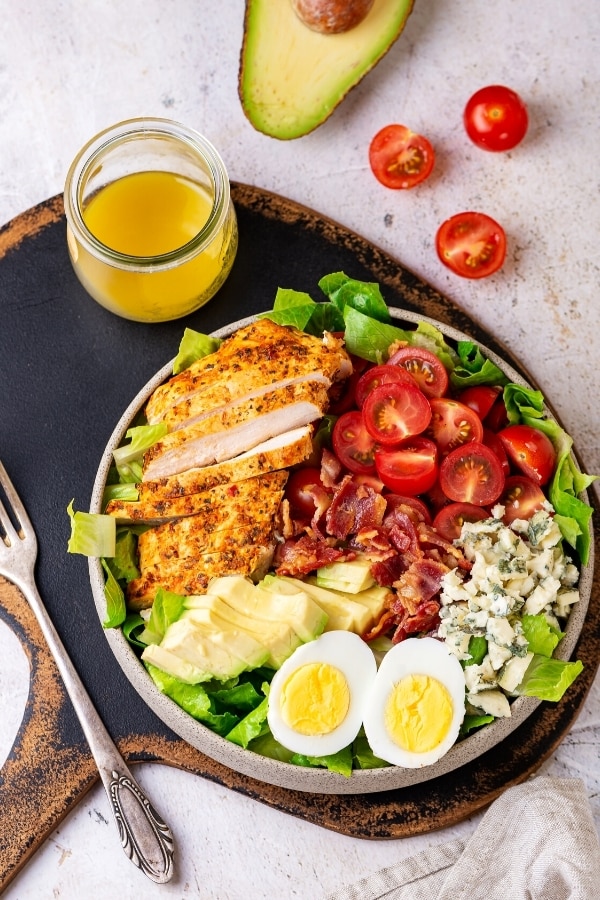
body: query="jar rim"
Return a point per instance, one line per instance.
(97, 147)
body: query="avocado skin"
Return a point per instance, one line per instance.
(292, 78)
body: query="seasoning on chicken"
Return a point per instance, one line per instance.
(280, 452)
(240, 427)
(213, 504)
(261, 354)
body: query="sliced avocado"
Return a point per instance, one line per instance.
(351, 577)
(343, 613)
(172, 664)
(292, 78)
(372, 597)
(261, 602)
(279, 639)
(223, 655)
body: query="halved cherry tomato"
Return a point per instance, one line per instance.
(451, 518)
(399, 158)
(343, 396)
(496, 118)
(520, 498)
(394, 501)
(453, 424)
(530, 450)
(353, 445)
(471, 244)
(491, 440)
(377, 375)
(395, 411)
(472, 474)
(497, 418)
(298, 491)
(436, 498)
(410, 468)
(427, 370)
(480, 398)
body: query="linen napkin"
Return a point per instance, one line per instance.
(537, 841)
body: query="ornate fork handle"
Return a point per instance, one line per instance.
(145, 838)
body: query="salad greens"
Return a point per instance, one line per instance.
(237, 710)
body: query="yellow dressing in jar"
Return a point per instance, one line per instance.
(152, 233)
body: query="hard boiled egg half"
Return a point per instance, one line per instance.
(318, 697)
(417, 703)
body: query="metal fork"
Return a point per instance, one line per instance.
(145, 838)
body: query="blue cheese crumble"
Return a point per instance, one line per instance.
(517, 569)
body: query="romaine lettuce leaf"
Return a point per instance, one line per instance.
(369, 339)
(166, 609)
(478, 648)
(548, 679)
(115, 599)
(266, 745)
(340, 762)
(92, 534)
(364, 296)
(193, 699)
(470, 723)
(474, 368)
(252, 726)
(362, 755)
(193, 346)
(542, 637)
(142, 437)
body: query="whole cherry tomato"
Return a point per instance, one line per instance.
(400, 158)
(471, 244)
(496, 118)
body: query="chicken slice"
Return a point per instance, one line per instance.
(213, 504)
(262, 352)
(277, 453)
(230, 432)
(250, 559)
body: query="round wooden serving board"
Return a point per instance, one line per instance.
(68, 369)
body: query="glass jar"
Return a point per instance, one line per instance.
(151, 230)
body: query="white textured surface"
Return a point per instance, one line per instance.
(69, 69)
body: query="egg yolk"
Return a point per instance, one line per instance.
(315, 699)
(418, 713)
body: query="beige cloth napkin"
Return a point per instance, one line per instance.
(537, 841)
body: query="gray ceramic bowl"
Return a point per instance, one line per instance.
(272, 771)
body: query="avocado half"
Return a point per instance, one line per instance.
(292, 78)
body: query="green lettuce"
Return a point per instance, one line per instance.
(340, 762)
(116, 610)
(363, 296)
(128, 457)
(548, 679)
(252, 726)
(194, 700)
(193, 346)
(92, 534)
(166, 609)
(474, 368)
(542, 637)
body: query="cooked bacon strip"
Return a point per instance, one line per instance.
(262, 352)
(420, 582)
(278, 453)
(425, 619)
(303, 556)
(241, 427)
(354, 506)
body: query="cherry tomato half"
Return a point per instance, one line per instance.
(491, 440)
(343, 396)
(452, 424)
(424, 367)
(480, 398)
(298, 491)
(472, 474)
(496, 118)
(400, 158)
(395, 411)
(451, 518)
(520, 498)
(353, 445)
(530, 450)
(414, 508)
(377, 375)
(471, 244)
(410, 468)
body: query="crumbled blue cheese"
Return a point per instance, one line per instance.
(516, 570)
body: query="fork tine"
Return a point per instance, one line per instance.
(16, 507)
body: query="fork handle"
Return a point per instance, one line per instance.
(145, 838)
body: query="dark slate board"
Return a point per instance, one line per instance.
(68, 369)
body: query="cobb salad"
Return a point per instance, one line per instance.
(419, 548)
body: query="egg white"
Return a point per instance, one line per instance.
(415, 656)
(352, 656)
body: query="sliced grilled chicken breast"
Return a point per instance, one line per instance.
(279, 452)
(240, 427)
(262, 353)
(214, 504)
